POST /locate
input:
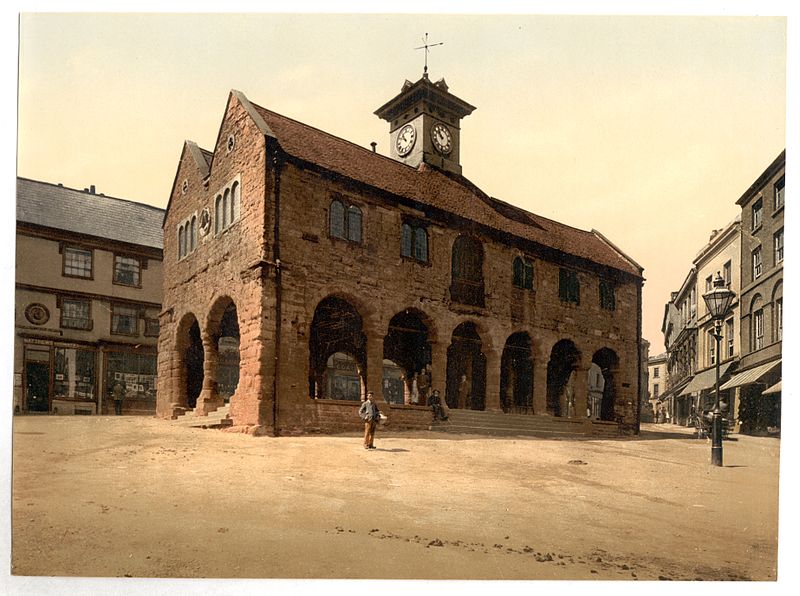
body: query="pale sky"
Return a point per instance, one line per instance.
(645, 128)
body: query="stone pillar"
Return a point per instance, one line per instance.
(540, 386)
(492, 381)
(209, 399)
(438, 368)
(580, 389)
(375, 365)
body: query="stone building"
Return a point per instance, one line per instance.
(657, 380)
(88, 296)
(327, 269)
(757, 382)
(679, 327)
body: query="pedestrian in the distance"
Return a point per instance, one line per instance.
(370, 414)
(118, 394)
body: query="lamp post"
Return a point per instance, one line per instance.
(718, 301)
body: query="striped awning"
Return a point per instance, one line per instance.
(751, 375)
(706, 379)
(776, 388)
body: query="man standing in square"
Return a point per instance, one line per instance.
(370, 414)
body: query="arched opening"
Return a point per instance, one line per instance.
(606, 359)
(228, 353)
(596, 386)
(336, 330)
(407, 348)
(466, 285)
(516, 375)
(564, 358)
(466, 369)
(190, 351)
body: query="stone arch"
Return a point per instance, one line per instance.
(564, 360)
(466, 369)
(224, 357)
(337, 327)
(608, 361)
(516, 374)
(190, 354)
(407, 346)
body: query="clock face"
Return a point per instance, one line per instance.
(405, 140)
(441, 138)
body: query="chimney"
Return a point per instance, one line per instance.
(91, 189)
(374, 146)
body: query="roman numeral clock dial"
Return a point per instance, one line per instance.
(405, 140)
(442, 141)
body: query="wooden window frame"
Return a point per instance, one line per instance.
(114, 306)
(114, 270)
(60, 304)
(67, 247)
(569, 286)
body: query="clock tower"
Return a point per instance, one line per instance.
(425, 124)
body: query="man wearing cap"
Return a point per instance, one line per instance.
(370, 414)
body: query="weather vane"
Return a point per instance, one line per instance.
(426, 47)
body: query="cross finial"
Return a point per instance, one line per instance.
(426, 47)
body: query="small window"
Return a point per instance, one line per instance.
(421, 244)
(354, 224)
(709, 283)
(193, 234)
(345, 222)
(76, 313)
(218, 215)
(655, 372)
(407, 241)
(77, 262)
(236, 202)
(124, 320)
(523, 273)
(569, 289)
(729, 337)
(779, 189)
(779, 319)
(727, 273)
(608, 299)
(758, 329)
(127, 271)
(655, 389)
(778, 239)
(151, 327)
(414, 242)
(337, 220)
(712, 348)
(181, 245)
(226, 216)
(757, 212)
(757, 267)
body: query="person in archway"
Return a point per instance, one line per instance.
(435, 402)
(463, 392)
(370, 414)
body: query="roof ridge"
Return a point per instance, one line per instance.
(89, 194)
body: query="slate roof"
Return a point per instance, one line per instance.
(432, 187)
(61, 208)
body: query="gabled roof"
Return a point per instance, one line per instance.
(61, 208)
(428, 186)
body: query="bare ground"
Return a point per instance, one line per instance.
(139, 497)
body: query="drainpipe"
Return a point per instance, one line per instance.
(277, 166)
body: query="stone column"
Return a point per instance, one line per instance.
(492, 381)
(209, 399)
(580, 389)
(375, 365)
(540, 386)
(438, 368)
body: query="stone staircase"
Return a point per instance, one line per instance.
(215, 419)
(510, 425)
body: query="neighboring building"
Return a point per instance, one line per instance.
(679, 327)
(657, 384)
(758, 379)
(88, 295)
(335, 269)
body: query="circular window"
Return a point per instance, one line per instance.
(231, 143)
(37, 314)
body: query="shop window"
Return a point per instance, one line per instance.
(608, 299)
(569, 289)
(124, 320)
(136, 372)
(77, 262)
(76, 313)
(73, 373)
(127, 271)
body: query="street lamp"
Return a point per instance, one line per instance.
(718, 301)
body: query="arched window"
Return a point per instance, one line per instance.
(407, 241)
(226, 214)
(193, 234)
(180, 242)
(467, 271)
(236, 201)
(336, 226)
(218, 215)
(421, 244)
(354, 224)
(519, 273)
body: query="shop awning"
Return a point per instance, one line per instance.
(776, 388)
(751, 375)
(674, 390)
(706, 379)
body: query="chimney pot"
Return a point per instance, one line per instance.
(91, 189)
(374, 146)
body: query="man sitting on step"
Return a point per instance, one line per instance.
(436, 405)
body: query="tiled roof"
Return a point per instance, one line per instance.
(429, 186)
(61, 208)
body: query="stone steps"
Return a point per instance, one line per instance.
(501, 424)
(219, 417)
